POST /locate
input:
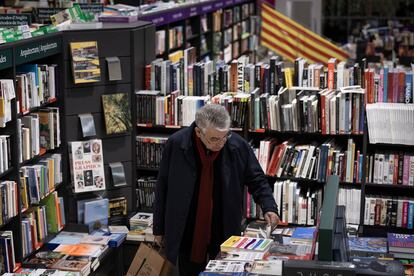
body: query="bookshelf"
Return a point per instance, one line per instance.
(201, 24)
(27, 155)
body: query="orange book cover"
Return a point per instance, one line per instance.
(78, 249)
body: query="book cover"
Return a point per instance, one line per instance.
(378, 245)
(268, 267)
(228, 266)
(117, 113)
(96, 213)
(304, 233)
(403, 243)
(289, 252)
(87, 165)
(85, 62)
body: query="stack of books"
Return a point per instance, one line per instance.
(141, 227)
(401, 245)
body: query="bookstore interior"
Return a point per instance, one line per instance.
(318, 122)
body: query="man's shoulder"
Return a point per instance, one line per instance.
(237, 142)
(180, 135)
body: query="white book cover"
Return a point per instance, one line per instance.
(86, 162)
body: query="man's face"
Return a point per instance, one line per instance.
(213, 139)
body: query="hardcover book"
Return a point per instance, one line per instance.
(117, 113)
(402, 243)
(237, 243)
(86, 164)
(85, 62)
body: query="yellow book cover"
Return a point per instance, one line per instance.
(175, 56)
(117, 113)
(85, 62)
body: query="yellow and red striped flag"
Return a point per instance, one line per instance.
(291, 40)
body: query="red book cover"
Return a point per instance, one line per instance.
(404, 214)
(148, 77)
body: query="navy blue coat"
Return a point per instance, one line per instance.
(177, 179)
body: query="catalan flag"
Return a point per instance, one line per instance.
(291, 40)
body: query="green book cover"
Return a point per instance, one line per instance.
(51, 216)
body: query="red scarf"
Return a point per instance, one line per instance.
(202, 229)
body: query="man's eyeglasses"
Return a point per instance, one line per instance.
(215, 140)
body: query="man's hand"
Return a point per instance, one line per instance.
(272, 219)
(159, 240)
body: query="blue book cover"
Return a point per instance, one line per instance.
(409, 87)
(304, 233)
(96, 213)
(405, 241)
(115, 239)
(26, 68)
(365, 244)
(410, 215)
(81, 208)
(385, 84)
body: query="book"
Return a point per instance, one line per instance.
(117, 113)
(367, 244)
(239, 256)
(373, 266)
(289, 252)
(237, 243)
(268, 267)
(401, 243)
(85, 62)
(96, 213)
(92, 250)
(228, 266)
(86, 165)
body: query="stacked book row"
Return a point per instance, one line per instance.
(5, 153)
(39, 180)
(7, 94)
(9, 200)
(149, 150)
(297, 205)
(389, 211)
(39, 132)
(36, 84)
(145, 192)
(351, 199)
(310, 161)
(391, 168)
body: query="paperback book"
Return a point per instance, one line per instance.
(86, 164)
(85, 62)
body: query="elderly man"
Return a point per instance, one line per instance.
(200, 189)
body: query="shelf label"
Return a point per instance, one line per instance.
(207, 8)
(229, 3)
(92, 7)
(218, 5)
(11, 20)
(177, 16)
(5, 59)
(193, 11)
(43, 14)
(37, 50)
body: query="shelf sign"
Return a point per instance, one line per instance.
(43, 14)
(5, 59)
(207, 8)
(218, 5)
(177, 16)
(229, 3)
(37, 50)
(10, 20)
(91, 7)
(193, 11)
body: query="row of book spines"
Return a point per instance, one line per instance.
(42, 220)
(145, 198)
(36, 84)
(8, 263)
(5, 153)
(394, 212)
(9, 201)
(390, 85)
(164, 110)
(286, 159)
(39, 181)
(296, 205)
(38, 132)
(253, 210)
(335, 113)
(149, 154)
(390, 168)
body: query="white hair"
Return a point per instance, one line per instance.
(213, 116)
